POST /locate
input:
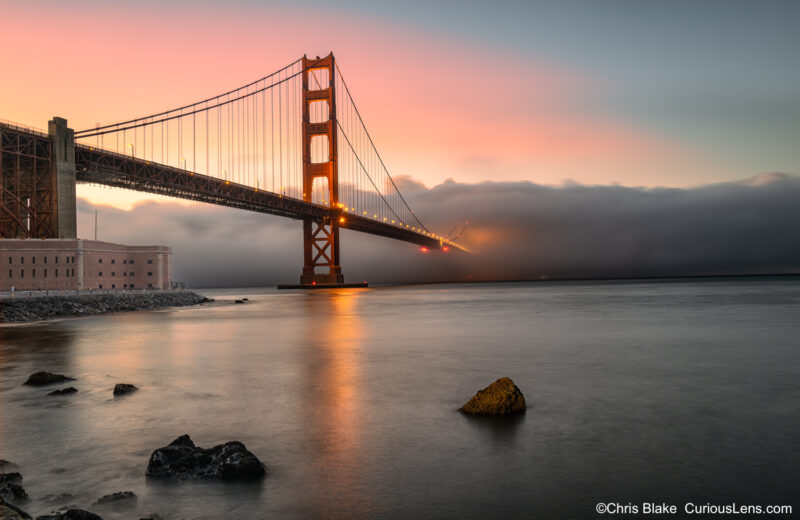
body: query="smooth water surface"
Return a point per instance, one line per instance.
(685, 390)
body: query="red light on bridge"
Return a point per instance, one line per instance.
(424, 249)
(445, 249)
(313, 283)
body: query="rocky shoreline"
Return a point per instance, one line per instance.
(38, 308)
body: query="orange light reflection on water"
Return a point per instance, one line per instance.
(336, 338)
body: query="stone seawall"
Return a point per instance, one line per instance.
(36, 308)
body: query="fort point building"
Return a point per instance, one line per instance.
(76, 264)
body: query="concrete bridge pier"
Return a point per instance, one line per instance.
(63, 175)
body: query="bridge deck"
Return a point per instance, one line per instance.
(99, 166)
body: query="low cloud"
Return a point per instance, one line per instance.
(516, 230)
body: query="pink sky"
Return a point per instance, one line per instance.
(437, 108)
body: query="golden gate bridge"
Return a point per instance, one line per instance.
(292, 144)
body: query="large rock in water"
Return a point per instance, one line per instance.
(182, 459)
(500, 398)
(46, 378)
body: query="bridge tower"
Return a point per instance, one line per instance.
(320, 237)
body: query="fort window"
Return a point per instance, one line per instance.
(45, 273)
(9, 274)
(22, 273)
(113, 261)
(149, 273)
(99, 260)
(34, 273)
(34, 260)
(22, 259)
(149, 261)
(56, 272)
(100, 273)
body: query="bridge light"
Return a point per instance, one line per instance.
(365, 213)
(384, 219)
(424, 249)
(393, 222)
(341, 220)
(445, 249)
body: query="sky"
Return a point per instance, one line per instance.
(539, 95)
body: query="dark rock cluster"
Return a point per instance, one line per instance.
(71, 514)
(36, 308)
(46, 378)
(183, 460)
(64, 391)
(120, 498)
(124, 388)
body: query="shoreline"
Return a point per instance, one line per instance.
(34, 309)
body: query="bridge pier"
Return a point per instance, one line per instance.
(63, 168)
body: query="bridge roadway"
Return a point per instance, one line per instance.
(100, 166)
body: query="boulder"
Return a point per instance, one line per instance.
(13, 492)
(64, 391)
(183, 460)
(124, 388)
(71, 514)
(500, 398)
(121, 498)
(7, 464)
(5, 478)
(11, 512)
(46, 378)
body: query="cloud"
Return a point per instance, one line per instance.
(517, 230)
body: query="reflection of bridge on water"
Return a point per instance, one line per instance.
(291, 144)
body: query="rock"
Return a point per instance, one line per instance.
(182, 459)
(153, 516)
(238, 301)
(64, 391)
(500, 398)
(46, 378)
(5, 478)
(11, 512)
(7, 464)
(14, 492)
(122, 498)
(19, 310)
(71, 514)
(124, 388)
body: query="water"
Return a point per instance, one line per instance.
(661, 391)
